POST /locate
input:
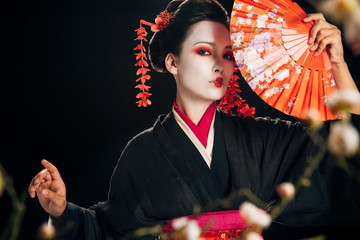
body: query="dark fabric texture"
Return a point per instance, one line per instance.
(161, 176)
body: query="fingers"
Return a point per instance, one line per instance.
(57, 203)
(39, 179)
(325, 38)
(45, 176)
(322, 33)
(319, 25)
(52, 169)
(314, 17)
(56, 198)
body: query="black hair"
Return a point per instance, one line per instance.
(185, 14)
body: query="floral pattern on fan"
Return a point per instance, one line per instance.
(271, 49)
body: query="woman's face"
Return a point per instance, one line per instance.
(205, 63)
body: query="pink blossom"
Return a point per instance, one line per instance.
(252, 236)
(180, 223)
(286, 190)
(313, 117)
(187, 229)
(344, 100)
(254, 215)
(343, 140)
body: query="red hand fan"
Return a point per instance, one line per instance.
(271, 49)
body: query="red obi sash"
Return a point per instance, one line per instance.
(219, 225)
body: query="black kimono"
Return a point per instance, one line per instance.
(161, 176)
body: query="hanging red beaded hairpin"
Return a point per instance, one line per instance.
(161, 21)
(232, 99)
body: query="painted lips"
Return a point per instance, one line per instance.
(218, 82)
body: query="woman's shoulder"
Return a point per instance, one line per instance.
(146, 140)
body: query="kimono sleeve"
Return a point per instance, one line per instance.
(332, 197)
(268, 152)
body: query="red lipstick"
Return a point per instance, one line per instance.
(218, 82)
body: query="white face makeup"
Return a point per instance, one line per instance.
(204, 66)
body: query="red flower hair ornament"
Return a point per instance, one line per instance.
(161, 21)
(230, 101)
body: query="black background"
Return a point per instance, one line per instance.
(67, 93)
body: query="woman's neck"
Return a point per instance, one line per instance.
(193, 110)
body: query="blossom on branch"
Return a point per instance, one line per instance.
(187, 229)
(313, 118)
(254, 215)
(344, 100)
(286, 190)
(252, 236)
(343, 140)
(46, 231)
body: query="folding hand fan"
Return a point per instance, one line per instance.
(271, 48)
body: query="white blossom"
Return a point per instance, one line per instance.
(344, 100)
(238, 6)
(180, 223)
(286, 190)
(188, 229)
(254, 215)
(193, 230)
(260, 49)
(268, 93)
(252, 236)
(281, 75)
(261, 21)
(343, 139)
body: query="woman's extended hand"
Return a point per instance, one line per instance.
(50, 190)
(324, 35)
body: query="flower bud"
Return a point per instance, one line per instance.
(343, 140)
(286, 190)
(313, 118)
(254, 215)
(46, 231)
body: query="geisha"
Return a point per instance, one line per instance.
(196, 154)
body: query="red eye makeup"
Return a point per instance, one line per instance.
(202, 50)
